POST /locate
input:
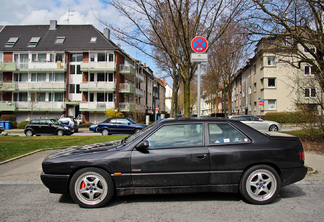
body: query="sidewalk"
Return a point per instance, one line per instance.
(316, 161)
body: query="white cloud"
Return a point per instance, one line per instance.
(30, 12)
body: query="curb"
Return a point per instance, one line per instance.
(28, 154)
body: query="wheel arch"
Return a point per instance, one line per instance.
(274, 166)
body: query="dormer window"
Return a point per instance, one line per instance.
(11, 42)
(33, 41)
(59, 40)
(93, 40)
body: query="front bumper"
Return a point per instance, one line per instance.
(290, 176)
(56, 183)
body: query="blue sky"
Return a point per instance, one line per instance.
(31, 12)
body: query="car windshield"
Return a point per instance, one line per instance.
(131, 120)
(55, 122)
(134, 136)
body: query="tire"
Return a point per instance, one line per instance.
(105, 132)
(273, 128)
(60, 133)
(136, 130)
(260, 184)
(91, 187)
(96, 129)
(29, 133)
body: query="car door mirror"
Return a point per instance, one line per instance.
(143, 146)
(129, 124)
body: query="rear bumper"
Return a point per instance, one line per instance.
(56, 183)
(290, 176)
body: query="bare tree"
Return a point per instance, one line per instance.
(298, 27)
(174, 23)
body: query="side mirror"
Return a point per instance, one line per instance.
(129, 124)
(142, 146)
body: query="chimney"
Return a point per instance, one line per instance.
(53, 24)
(107, 33)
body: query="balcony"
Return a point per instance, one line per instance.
(98, 66)
(42, 66)
(7, 66)
(40, 106)
(98, 86)
(127, 88)
(7, 106)
(140, 76)
(127, 70)
(41, 86)
(139, 92)
(96, 106)
(8, 86)
(127, 107)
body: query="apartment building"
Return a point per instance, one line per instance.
(270, 80)
(51, 70)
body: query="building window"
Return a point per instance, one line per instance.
(77, 57)
(20, 97)
(21, 77)
(91, 97)
(40, 97)
(59, 57)
(56, 77)
(59, 40)
(104, 97)
(33, 42)
(58, 97)
(310, 93)
(38, 77)
(102, 57)
(309, 70)
(11, 42)
(111, 57)
(271, 82)
(255, 87)
(271, 61)
(1, 57)
(272, 104)
(72, 88)
(92, 57)
(93, 40)
(75, 69)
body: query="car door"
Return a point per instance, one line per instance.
(46, 127)
(113, 125)
(257, 123)
(227, 149)
(125, 126)
(176, 157)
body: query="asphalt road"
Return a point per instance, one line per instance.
(24, 198)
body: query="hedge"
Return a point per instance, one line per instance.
(291, 117)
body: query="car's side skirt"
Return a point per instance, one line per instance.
(224, 188)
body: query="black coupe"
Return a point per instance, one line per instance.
(179, 156)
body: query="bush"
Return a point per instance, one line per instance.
(291, 117)
(22, 124)
(8, 118)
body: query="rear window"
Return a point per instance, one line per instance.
(223, 133)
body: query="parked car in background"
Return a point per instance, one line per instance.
(47, 127)
(257, 123)
(119, 125)
(179, 156)
(71, 122)
(2, 129)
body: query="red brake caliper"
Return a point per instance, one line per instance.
(82, 185)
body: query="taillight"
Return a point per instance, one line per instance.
(302, 155)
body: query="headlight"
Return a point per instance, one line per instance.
(65, 127)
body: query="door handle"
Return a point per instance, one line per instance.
(201, 156)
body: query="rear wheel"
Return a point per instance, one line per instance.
(91, 187)
(29, 133)
(273, 128)
(260, 184)
(105, 132)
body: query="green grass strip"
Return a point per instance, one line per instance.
(13, 146)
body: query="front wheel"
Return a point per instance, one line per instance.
(29, 133)
(260, 184)
(91, 187)
(60, 133)
(105, 132)
(273, 128)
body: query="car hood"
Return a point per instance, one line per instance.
(89, 148)
(140, 125)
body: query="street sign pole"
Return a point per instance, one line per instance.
(198, 93)
(199, 45)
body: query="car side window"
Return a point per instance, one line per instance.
(177, 136)
(113, 121)
(34, 122)
(223, 133)
(123, 121)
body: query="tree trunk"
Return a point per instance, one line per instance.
(186, 95)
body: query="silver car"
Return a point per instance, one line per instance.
(257, 123)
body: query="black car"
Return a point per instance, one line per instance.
(179, 156)
(119, 125)
(46, 127)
